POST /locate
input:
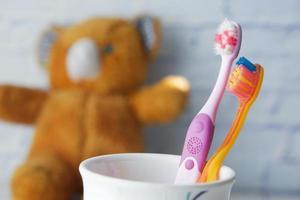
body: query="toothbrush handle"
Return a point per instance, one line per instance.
(196, 148)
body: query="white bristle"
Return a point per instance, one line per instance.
(227, 25)
(232, 29)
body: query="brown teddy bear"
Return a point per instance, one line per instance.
(95, 106)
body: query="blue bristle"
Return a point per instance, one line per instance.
(244, 61)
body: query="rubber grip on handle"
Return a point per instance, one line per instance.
(198, 140)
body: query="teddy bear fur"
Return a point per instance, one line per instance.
(76, 120)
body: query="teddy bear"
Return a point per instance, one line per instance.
(97, 103)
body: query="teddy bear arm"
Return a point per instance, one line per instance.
(21, 105)
(161, 102)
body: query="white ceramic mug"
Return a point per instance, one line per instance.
(143, 176)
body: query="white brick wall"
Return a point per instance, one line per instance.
(267, 154)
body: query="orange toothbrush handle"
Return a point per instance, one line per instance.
(206, 170)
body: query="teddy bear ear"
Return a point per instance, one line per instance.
(45, 42)
(150, 30)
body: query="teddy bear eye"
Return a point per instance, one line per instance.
(107, 49)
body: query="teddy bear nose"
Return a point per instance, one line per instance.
(83, 59)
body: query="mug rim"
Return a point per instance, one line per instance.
(84, 170)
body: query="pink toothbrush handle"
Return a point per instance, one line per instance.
(196, 147)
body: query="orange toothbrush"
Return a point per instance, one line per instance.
(245, 82)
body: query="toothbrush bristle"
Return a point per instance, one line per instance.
(245, 62)
(242, 82)
(227, 38)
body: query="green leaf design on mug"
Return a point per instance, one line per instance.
(188, 197)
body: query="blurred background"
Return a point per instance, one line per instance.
(266, 156)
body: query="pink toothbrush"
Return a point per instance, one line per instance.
(200, 132)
